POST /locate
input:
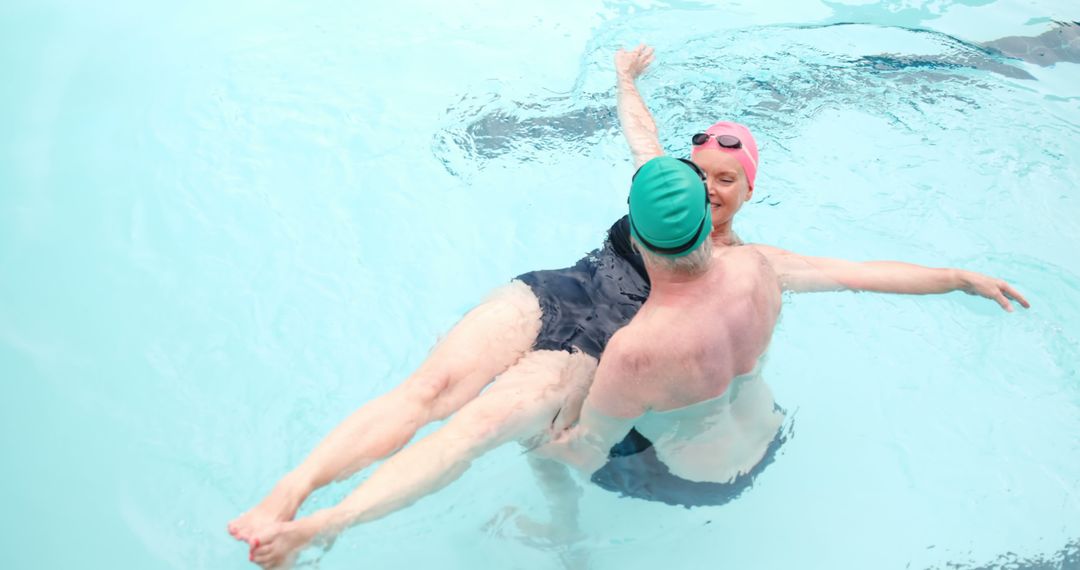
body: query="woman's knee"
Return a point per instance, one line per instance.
(424, 390)
(439, 396)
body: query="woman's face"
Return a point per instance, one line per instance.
(726, 182)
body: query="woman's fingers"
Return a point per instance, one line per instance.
(1001, 300)
(1015, 295)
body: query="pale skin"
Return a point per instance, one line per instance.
(545, 388)
(492, 341)
(519, 405)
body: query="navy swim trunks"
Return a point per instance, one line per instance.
(634, 470)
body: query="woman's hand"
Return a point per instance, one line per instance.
(992, 288)
(631, 64)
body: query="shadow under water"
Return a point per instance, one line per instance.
(1058, 44)
(1068, 558)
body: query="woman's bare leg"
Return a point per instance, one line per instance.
(487, 341)
(519, 406)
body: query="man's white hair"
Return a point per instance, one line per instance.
(693, 263)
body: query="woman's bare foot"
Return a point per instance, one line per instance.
(278, 507)
(278, 544)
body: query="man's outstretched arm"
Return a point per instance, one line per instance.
(801, 273)
(634, 118)
(585, 446)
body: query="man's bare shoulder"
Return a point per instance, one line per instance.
(628, 350)
(764, 249)
(756, 251)
(756, 262)
(618, 388)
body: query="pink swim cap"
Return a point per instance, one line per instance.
(747, 155)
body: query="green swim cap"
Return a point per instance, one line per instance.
(669, 207)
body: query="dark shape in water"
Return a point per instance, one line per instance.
(1068, 558)
(890, 62)
(1061, 43)
(1058, 44)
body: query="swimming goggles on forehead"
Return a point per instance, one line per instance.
(725, 141)
(731, 142)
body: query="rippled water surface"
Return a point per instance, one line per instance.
(223, 226)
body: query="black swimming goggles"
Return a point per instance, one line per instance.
(725, 141)
(701, 227)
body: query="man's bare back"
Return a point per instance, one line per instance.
(708, 412)
(724, 319)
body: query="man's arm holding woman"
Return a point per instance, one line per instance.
(607, 414)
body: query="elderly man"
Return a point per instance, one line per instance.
(686, 370)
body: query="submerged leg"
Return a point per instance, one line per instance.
(563, 494)
(520, 405)
(487, 341)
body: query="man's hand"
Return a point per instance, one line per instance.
(990, 287)
(556, 446)
(631, 64)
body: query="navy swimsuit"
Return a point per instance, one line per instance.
(585, 304)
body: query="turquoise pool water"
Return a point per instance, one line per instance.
(225, 226)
